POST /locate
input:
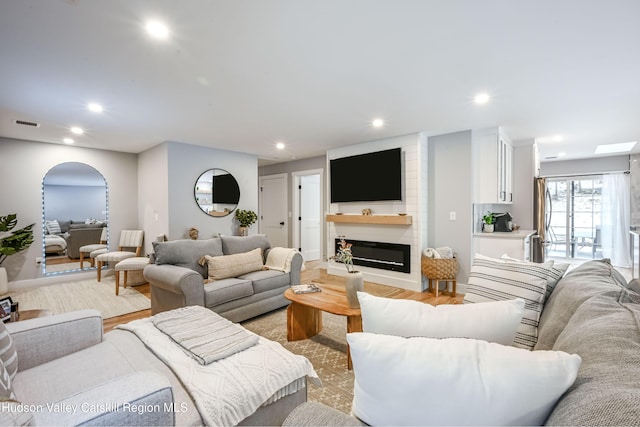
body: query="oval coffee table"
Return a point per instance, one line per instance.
(304, 314)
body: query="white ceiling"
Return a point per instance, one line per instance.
(242, 75)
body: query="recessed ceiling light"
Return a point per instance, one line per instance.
(77, 130)
(377, 123)
(622, 147)
(157, 29)
(95, 107)
(68, 141)
(562, 154)
(557, 138)
(482, 98)
(280, 145)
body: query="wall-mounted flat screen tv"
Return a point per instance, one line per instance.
(367, 177)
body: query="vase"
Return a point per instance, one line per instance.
(354, 282)
(487, 228)
(4, 282)
(244, 231)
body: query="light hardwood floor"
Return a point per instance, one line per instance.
(312, 273)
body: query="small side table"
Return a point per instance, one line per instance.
(32, 314)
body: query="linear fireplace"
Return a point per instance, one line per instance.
(385, 256)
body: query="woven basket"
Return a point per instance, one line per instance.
(439, 268)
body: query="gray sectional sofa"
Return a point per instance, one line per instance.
(591, 312)
(178, 280)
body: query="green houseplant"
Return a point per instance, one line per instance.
(488, 220)
(12, 242)
(245, 218)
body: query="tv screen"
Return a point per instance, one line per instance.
(225, 189)
(367, 177)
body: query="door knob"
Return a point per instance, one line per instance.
(281, 222)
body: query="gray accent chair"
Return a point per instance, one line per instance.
(177, 280)
(591, 312)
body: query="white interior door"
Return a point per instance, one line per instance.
(310, 216)
(273, 209)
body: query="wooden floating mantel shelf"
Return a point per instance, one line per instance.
(371, 219)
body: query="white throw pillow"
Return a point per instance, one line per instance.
(493, 279)
(556, 272)
(492, 321)
(53, 227)
(455, 381)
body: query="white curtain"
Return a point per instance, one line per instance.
(616, 218)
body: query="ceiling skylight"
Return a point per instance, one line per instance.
(622, 147)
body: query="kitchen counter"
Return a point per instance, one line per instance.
(518, 234)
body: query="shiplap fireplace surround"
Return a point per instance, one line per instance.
(386, 225)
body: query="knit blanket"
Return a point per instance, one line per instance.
(232, 388)
(280, 259)
(203, 334)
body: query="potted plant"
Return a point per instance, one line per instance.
(12, 242)
(355, 280)
(488, 221)
(245, 218)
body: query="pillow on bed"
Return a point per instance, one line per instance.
(226, 266)
(422, 381)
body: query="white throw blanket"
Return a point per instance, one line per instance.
(203, 334)
(280, 259)
(230, 389)
(443, 252)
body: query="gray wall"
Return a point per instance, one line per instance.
(450, 190)
(23, 165)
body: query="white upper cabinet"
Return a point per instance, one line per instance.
(492, 166)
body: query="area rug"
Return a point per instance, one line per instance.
(327, 351)
(83, 294)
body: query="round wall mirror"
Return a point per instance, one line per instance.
(74, 208)
(217, 192)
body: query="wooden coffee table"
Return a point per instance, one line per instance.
(304, 314)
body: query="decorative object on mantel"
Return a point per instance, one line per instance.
(12, 242)
(402, 214)
(354, 280)
(487, 222)
(338, 213)
(193, 233)
(246, 218)
(366, 211)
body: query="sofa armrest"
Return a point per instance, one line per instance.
(177, 280)
(43, 339)
(317, 414)
(138, 399)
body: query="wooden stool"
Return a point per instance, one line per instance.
(129, 264)
(436, 283)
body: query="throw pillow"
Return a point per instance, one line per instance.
(422, 381)
(52, 227)
(498, 280)
(493, 321)
(556, 272)
(6, 385)
(225, 266)
(8, 353)
(187, 252)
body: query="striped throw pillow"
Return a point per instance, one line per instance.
(53, 227)
(6, 386)
(556, 272)
(497, 280)
(8, 353)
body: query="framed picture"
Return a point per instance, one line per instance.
(5, 308)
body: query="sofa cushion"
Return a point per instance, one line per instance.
(226, 266)
(490, 321)
(239, 244)
(8, 352)
(422, 381)
(265, 280)
(225, 290)
(498, 280)
(605, 332)
(187, 253)
(578, 285)
(64, 225)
